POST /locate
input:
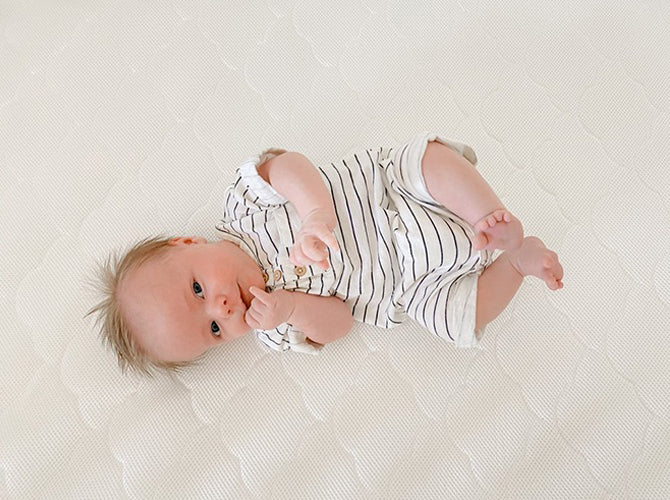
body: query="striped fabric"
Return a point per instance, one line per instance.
(402, 254)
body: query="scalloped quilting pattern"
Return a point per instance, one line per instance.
(127, 118)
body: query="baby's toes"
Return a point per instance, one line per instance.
(558, 270)
(550, 279)
(501, 216)
(553, 271)
(559, 274)
(480, 241)
(494, 218)
(484, 224)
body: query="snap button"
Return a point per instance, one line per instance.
(300, 270)
(276, 274)
(265, 276)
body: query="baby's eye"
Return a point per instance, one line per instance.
(214, 327)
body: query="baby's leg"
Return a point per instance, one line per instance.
(500, 281)
(457, 185)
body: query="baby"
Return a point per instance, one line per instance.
(383, 235)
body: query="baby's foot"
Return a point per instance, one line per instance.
(499, 229)
(532, 258)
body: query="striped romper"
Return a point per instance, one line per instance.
(402, 253)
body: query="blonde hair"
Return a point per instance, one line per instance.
(114, 330)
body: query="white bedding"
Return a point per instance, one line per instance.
(124, 119)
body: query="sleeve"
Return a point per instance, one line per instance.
(287, 338)
(249, 192)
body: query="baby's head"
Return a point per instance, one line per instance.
(168, 300)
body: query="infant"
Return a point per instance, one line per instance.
(380, 236)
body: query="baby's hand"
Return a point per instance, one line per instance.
(269, 310)
(312, 241)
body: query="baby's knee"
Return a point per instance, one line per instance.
(438, 157)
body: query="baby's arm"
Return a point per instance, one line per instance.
(296, 178)
(321, 319)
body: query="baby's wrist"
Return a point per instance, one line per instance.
(288, 303)
(324, 215)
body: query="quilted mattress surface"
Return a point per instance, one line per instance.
(123, 119)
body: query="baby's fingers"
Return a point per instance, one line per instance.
(258, 309)
(251, 317)
(261, 301)
(303, 255)
(297, 257)
(315, 250)
(328, 238)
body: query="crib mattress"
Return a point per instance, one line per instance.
(119, 120)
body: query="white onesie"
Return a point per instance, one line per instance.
(402, 254)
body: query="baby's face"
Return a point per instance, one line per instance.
(193, 298)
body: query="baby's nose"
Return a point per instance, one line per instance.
(223, 306)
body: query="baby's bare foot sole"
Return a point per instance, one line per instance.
(499, 229)
(533, 258)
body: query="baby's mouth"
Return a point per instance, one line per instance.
(243, 297)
